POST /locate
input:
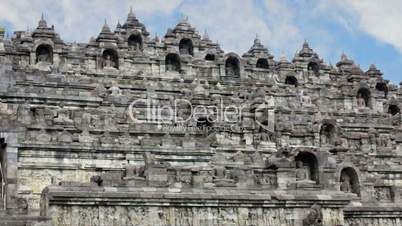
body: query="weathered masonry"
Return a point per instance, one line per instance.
(110, 132)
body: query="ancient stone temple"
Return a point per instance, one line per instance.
(134, 130)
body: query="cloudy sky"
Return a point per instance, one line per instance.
(367, 31)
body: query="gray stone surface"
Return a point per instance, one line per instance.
(129, 129)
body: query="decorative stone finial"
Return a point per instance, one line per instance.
(105, 28)
(283, 57)
(42, 22)
(118, 26)
(373, 71)
(206, 36)
(184, 19)
(305, 44)
(306, 51)
(257, 40)
(156, 39)
(345, 61)
(131, 13)
(344, 56)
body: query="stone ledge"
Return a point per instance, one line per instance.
(123, 196)
(378, 211)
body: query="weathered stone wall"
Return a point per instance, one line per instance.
(373, 216)
(306, 128)
(379, 221)
(91, 205)
(184, 216)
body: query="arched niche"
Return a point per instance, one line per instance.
(363, 97)
(327, 134)
(172, 62)
(382, 87)
(135, 42)
(313, 67)
(349, 181)
(393, 109)
(291, 80)
(44, 54)
(210, 57)
(110, 59)
(262, 63)
(307, 167)
(186, 47)
(232, 67)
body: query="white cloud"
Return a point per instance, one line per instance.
(77, 19)
(233, 22)
(379, 19)
(281, 25)
(236, 22)
(285, 35)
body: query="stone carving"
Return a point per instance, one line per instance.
(65, 137)
(267, 178)
(360, 101)
(43, 137)
(135, 175)
(221, 177)
(384, 141)
(97, 180)
(346, 184)
(302, 171)
(85, 137)
(115, 90)
(314, 217)
(63, 117)
(108, 62)
(184, 176)
(383, 194)
(22, 206)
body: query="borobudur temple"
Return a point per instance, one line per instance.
(134, 130)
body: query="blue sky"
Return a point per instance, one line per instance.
(367, 31)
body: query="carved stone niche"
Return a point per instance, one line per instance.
(306, 168)
(44, 54)
(328, 135)
(349, 181)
